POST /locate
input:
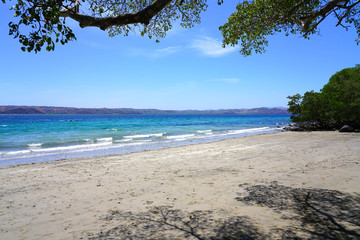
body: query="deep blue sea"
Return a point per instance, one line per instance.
(39, 138)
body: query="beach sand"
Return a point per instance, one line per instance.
(272, 186)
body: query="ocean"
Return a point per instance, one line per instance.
(39, 138)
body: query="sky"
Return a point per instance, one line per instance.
(187, 70)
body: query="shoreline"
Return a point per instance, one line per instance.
(112, 147)
(249, 186)
(142, 150)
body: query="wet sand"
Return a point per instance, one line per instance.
(289, 184)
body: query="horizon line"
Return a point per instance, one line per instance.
(218, 109)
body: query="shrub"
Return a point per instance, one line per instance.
(337, 103)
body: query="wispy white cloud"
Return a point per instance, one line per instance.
(211, 47)
(165, 51)
(158, 53)
(205, 45)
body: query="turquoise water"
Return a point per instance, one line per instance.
(38, 138)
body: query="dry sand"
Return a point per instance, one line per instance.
(273, 186)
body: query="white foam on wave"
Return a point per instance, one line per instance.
(104, 143)
(101, 144)
(123, 140)
(128, 140)
(16, 152)
(204, 131)
(3, 125)
(181, 137)
(249, 130)
(34, 145)
(89, 146)
(144, 141)
(144, 135)
(136, 142)
(107, 139)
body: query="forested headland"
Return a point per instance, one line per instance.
(337, 104)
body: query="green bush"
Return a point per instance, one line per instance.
(337, 103)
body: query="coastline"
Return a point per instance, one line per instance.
(107, 146)
(249, 186)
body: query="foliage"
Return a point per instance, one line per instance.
(43, 22)
(187, 11)
(337, 103)
(253, 21)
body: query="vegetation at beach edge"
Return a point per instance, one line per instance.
(337, 103)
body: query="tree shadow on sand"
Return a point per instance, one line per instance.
(166, 223)
(322, 213)
(313, 213)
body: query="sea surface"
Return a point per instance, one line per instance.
(39, 138)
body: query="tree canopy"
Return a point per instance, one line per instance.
(337, 103)
(42, 23)
(253, 21)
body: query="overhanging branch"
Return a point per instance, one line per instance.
(324, 11)
(143, 16)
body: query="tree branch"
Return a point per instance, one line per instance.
(323, 12)
(144, 16)
(348, 8)
(294, 9)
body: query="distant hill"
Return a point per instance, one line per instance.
(70, 110)
(22, 110)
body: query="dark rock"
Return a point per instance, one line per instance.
(357, 130)
(307, 126)
(346, 128)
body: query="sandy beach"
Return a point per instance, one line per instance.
(272, 186)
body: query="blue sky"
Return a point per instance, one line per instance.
(186, 70)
